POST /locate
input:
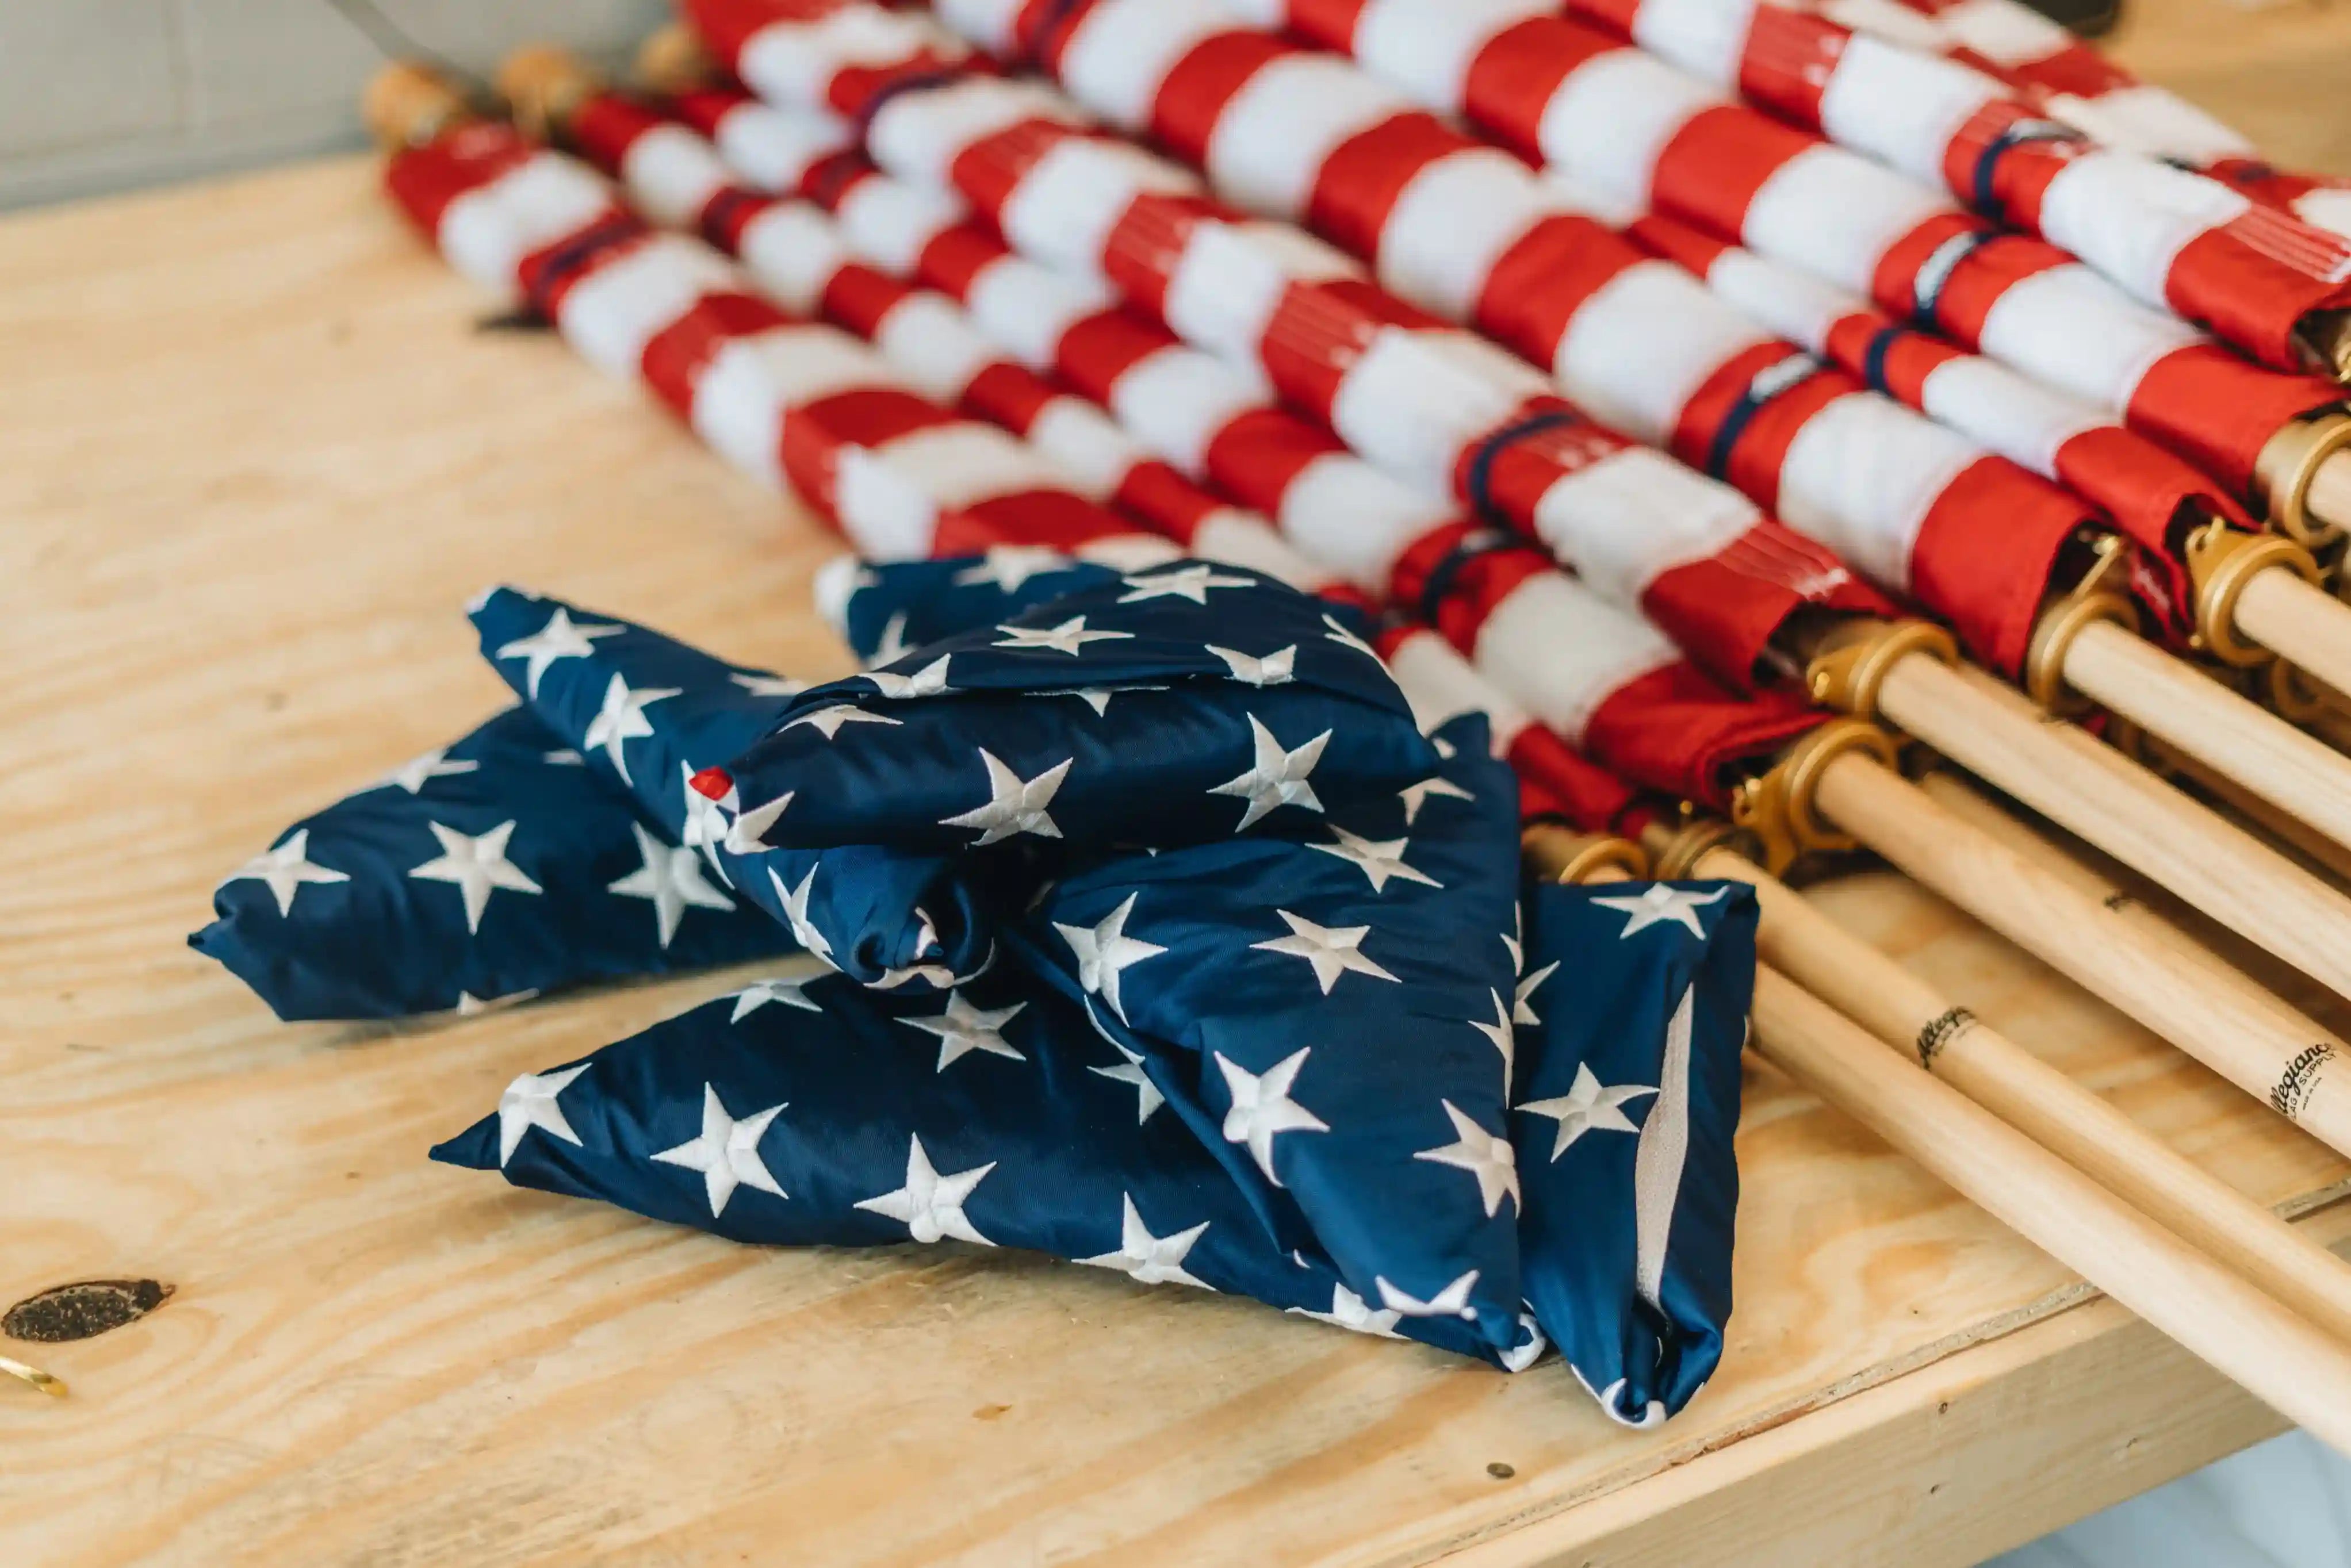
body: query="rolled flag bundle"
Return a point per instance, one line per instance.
(1257, 1005)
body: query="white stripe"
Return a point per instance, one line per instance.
(1641, 346)
(614, 312)
(1272, 136)
(2327, 208)
(1835, 213)
(1065, 206)
(1441, 685)
(890, 221)
(2002, 31)
(1613, 116)
(965, 462)
(987, 23)
(739, 402)
(1225, 287)
(1426, 50)
(1862, 475)
(770, 148)
(1129, 552)
(671, 173)
(1661, 1155)
(916, 135)
(1357, 520)
(2149, 120)
(1028, 308)
(928, 336)
(2129, 216)
(1892, 20)
(882, 510)
(792, 61)
(1122, 49)
(1178, 401)
(1559, 651)
(1702, 37)
(1413, 399)
(1451, 223)
(792, 251)
(1790, 301)
(2068, 326)
(486, 233)
(2018, 418)
(1086, 445)
(1900, 106)
(1634, 514)
(1246, 538)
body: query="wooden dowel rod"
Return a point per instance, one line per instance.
(2329, 496)
(2275, 1355)
(1915, 1019)
(2300, 621)
(2243, 743)
(2170, 985)
(2325, 854)
(2084, 786)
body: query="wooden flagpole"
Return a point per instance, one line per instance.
(1907, 1013)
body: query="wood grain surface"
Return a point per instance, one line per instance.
(257, 449)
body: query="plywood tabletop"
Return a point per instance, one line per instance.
(257, 449)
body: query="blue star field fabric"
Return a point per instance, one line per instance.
(1151, 932)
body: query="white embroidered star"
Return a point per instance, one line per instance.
(1521, 1007)
(560, 638)
(892, 646)
(1010, 565)
(796, 915)
(1377, 859)
(1148, 1097)
(285, 869)
(726, 1152)
(1500, 1031)
(748, 836)
(1453, 1302)
(930, 1205)
(1346, 639)
(1070, 637)
(963, 1029)
(476, 866)
(1655, 905)
(1415, 796)
(1014, 805)
(1276, 669)
(1105, 951)
(1349, 1310)
(759, 993)
(622, 718)
(672, 879)
(762, 685)
(1332, 950)
(1488, 1158)
(1146, 1259)
(416, 773)
(529, 1101)
(706, 824)
(827, 721)
(1588, 1106)
(927, 682)
(1095, 697)
(1262, 1109)
(471, 1005)
(1277, 777)
(1192, 583)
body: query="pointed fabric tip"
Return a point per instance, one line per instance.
(475, 1149)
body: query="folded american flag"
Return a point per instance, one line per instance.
(1144, 926)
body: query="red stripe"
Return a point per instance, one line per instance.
(424, 181)
(1357, 189)
(1546, 276)
(1787, 60)
(1986, 552)
(1675, 730)
(1511, 79)
(1257, 455)
(1711, 167)
(858, 297)
(1200, 86)
(2219, 410)
(1009, 395)
(676, 356)
(606, 125)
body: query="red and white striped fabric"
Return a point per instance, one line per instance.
(2168, 236)
(676, 178)
(1603, 680)
(1436, 405)
(1469, 231)
(1552, 288)
(1637, 134)
(791, 402)
(2069, 80)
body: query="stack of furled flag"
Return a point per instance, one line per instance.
(1234, 593)
(1139, 923)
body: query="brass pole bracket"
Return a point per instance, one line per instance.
(672, 61)
(2102, 595)
(2220, 562)
(543, 87)
(1562, 854)
(2289, 460)
(411, 105)
(1691, 842)
(1777, 806)
(1850, 666)
(2292, 694)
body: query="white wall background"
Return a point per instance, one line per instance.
(102, 95)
